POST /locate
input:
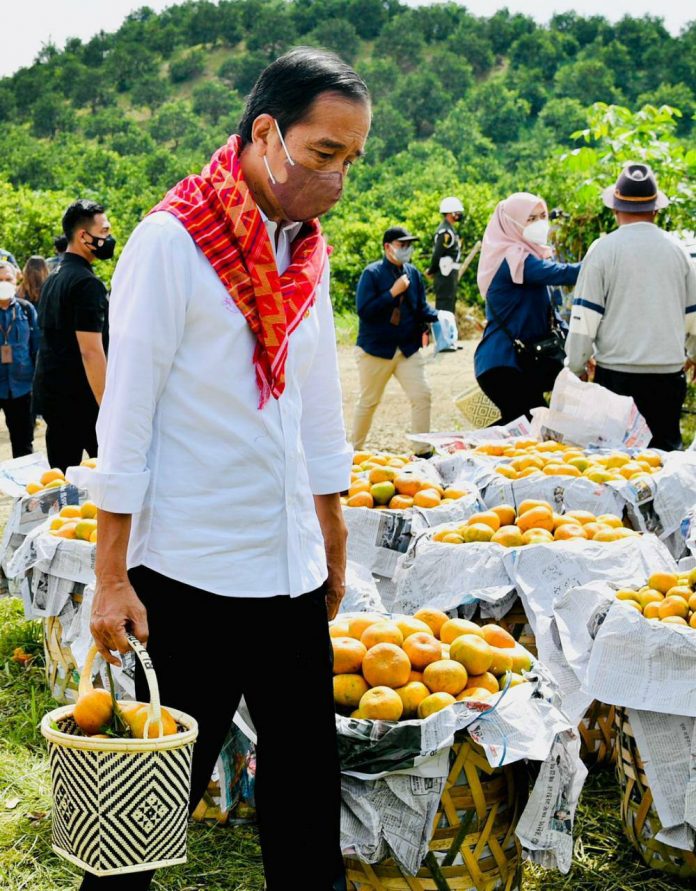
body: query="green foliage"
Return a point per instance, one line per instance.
(473, 106)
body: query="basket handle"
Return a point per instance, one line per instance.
(154, 708)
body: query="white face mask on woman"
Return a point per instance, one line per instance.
(538, 231)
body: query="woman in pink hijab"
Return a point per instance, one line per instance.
(514, 272)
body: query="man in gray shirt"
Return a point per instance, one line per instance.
(635, 307)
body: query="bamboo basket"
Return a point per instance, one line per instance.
(120, 805)
(598, 735)
(638, 813)
(473, 845)
(62, 674)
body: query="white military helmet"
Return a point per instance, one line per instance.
(451, 205)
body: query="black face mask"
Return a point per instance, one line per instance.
(102, 248)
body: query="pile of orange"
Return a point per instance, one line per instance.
(76, 521)
(385, 488)
(666, 597)
(55, 478)
(96, 714)
(529, 457)
(534, 522)
(405, 667)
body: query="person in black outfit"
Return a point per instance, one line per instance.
(71, 366)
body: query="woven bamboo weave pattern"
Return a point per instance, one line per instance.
(598, 735)
(640, 819)
(477, 408)
(473, 845)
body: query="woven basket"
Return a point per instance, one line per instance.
(477, 408)
(120, 805)
(473, 845)
(598, 735)
(62, 675)
(640, 819)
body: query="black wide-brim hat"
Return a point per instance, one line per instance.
(635, 190)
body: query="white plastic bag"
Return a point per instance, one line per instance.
(445, 331)
(588, 414)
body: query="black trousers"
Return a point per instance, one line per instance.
(208, 651)
(20, 424)
(445, 287)
(70, 431)
(658, 397)
(514, 392)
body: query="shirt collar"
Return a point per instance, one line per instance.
(77, 259)
(387, 262)
(289, 228)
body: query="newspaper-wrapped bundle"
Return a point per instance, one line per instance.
(542, 574)
(27, 511)
(377, 539)
(447, 576)
(457, 441)
(622, 658)
(587, 414)
(394, 774)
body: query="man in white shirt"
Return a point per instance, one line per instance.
(222, 451)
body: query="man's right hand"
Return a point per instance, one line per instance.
(117, 609)
(400, 285)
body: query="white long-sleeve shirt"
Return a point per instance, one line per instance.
(220, 491)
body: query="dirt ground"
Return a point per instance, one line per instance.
(449, 374)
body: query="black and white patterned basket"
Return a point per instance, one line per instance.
(120, 805)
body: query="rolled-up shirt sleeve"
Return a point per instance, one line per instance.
(329, 456)
(147, 312)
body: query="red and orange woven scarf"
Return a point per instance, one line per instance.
(221, 216)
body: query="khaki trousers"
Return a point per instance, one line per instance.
(374, 374)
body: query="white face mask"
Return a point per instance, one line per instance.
(538, 232)
(403, 254)
(7, 290)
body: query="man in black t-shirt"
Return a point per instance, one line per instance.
(71, 365)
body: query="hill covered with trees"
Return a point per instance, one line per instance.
(464, 105)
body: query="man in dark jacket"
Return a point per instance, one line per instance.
(393, 315)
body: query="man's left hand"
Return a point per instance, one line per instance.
(333, 528)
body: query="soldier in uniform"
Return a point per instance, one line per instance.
(444, 265)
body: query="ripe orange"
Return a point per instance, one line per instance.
(348, 655)
(51, 476)
(415, 676)
(361, 499)
(673, 606)
(408, 485)
(445, 676)
(412, 694)
(136, 714)
(33, 488)
(360, 485)
(433, 618)
(508, 537)
(675, 620)
(88, 510)
(427, 498)
(506, 514)
(381, 703)
(381, 632)
(663, 581)
(486, 680)
(651, 610)
(339, 629)
(70, 510)
(386, 665)
(537, 536)
(479, 694)
(454, 494)
(349, 689)
(93, 711)
(409, 625)
(67, 530)
(401, 502)
(581, 516)
(422, 649)
(434, 703)
(479, 532)
(530, 503)
(497, 636)
(568, 531)
(453, 628)
(382, 475)
(502, 661)
(610, 520)
(473, 652)
(536, 517)
(521, 660)
(488, 518)
(360, 622)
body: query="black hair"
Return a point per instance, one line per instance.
(287, 88)
(80, 213)
(60, 243)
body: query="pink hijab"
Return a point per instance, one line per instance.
(503, 240)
